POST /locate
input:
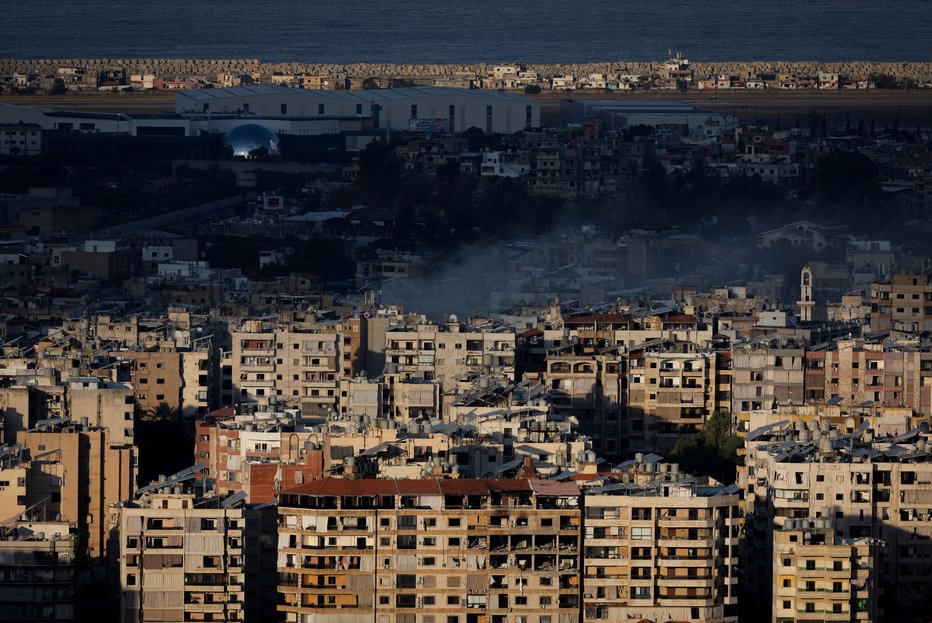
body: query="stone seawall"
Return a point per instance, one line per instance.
(195, 68)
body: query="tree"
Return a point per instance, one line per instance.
(843, 173)
(532, 89)
(883, 81)
(58, 87)
(370, 83)
(475, 138)
(712, 452)
(163, 412)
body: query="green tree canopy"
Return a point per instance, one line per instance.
(711, 452)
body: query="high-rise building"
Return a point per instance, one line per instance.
(866, 485)
(819, 576)
(37, 572)
(430, 551)
(181, 558)
(77, 474)
(659, 546)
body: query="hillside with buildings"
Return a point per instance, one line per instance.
(429, 354)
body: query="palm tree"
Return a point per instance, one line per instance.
(163, 412)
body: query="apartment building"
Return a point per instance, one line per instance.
(859, 373)
(391, 398)
(821, 577)
(31, 398)
(590, 388)
(289, 365)
(428, 351)
(37, 571)
(259, 454)
(78, 475)
(181, 557)
(450, 551)
(766, 372)
(14, 466)
(21, 139)
(904, 303)
(671, 393)
(869, 486)
(664, 549)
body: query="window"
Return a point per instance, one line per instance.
(407, 541)
(320, 111)
(640, 534)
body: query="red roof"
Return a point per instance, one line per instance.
(681, 318)
(509, 485)
(332, 486)
(464, 486)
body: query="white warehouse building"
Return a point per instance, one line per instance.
(437, 108)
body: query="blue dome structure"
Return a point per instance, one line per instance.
(251, 141)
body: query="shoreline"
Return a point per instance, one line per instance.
(191, 66)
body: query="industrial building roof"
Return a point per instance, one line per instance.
(371, 95)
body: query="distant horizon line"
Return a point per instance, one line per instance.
(5, 57)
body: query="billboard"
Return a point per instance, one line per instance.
(430, 126)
